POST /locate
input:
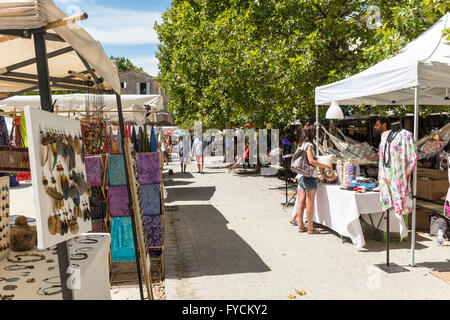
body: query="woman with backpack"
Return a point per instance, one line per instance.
(307, 184)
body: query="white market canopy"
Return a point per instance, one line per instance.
(80, 103)
(424, 62)
(69, 48)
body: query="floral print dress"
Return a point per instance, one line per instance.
(396, 165)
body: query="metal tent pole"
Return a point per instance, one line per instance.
(414, 186)
(42, 70)
(46, 104)
(388, 237)
(317, 129)
(130, 204)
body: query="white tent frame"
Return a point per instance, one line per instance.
(424, 61)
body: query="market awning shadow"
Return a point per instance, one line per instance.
(190, 193)
(218, 250)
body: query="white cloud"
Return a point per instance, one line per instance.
(148, 63)
(116, 25)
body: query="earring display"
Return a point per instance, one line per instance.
(61, 192)
(4, 218)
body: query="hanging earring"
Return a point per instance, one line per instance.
(44, 181)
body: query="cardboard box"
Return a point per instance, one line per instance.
(422, 220)
(431, 184)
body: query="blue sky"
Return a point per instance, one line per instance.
(124, 27)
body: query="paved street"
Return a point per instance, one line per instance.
(231, 239)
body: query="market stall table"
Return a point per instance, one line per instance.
(94, 271)
(340, 211)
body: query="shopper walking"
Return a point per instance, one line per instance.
(307, 186)
(197, 150)
(164, 147)
(183, 152)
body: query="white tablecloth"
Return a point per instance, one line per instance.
(94, 271)
(339, 210)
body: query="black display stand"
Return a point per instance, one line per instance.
(46, 104)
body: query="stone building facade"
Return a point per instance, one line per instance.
(135, 82)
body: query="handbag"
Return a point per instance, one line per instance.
(300, 163)
(181, 152)
(14, 158)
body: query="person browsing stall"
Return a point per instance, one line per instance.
(307, 186)
(381, 126)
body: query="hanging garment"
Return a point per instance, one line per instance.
(119, 138)
(122, 245)
(153, 142)
(396, 164)
(17, 134)
(140, 139)
(114, 142)
(145, 138)
(4, 136)
(116, 170)
(129, 132)
(148, 168)
(97, 205)
(23, 130)
(95, 138)
(134, 138)
(151, 199)
(153, 227)
(118, 201)
(94, 170)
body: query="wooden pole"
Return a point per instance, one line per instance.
(59, 23)
(67, 20)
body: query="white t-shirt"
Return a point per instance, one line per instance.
(197, 147)
(305, 146)
(182, 147)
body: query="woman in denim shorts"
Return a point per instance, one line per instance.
(307, 186)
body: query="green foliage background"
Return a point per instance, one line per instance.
(229, 62)
(125, 64)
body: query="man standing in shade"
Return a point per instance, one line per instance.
(382, 125)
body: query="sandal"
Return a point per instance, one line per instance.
(293, 223)
(313, 231)
(302, 230)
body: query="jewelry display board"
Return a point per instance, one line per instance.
(139, 216)
(61, 192)
(34, 274)
(4, 217)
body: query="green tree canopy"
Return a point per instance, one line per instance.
(234, 61)
(125, 64)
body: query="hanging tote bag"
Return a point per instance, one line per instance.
(14, 158)
(300, 163)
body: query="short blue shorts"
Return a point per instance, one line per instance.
(307, 183)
